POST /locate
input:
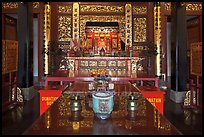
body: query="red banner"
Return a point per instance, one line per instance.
(47, 97)
(154, 95)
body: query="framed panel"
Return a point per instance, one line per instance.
(102, 63)
(93, 63)
(111, 63)
(114, 43)
(89, 43)
(121, 63)
(84, 63)
(108, 45)
(196, 59)
(11, 55)
(96, 45)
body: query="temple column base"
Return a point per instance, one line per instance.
(28, 93)
(177, 96)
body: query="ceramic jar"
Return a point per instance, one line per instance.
(102, 104)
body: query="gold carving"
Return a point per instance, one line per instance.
(95, 8)
(65, 9)
(71, 64)
(187, 100)
(11, 5)
(102, 63)
(111, 63)
(84, 63)
(14, 5)
(139, 10)
(93, 63)
(19, 95)
(106, 29)
(140, 29)
(114, 43)
(75, 21)
(139, 48)
(47, 119)
(64, 28)
(157, 38)
(122, 63)
(193, 6)
(189, 6)
(46, 34)
(36, 4)
(134, 65)
(167, 5)
(86, 18)
(128, 25)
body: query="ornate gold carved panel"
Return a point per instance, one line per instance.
(167, 5)
(36, 5)
(75, 21)
(100, 8)
(134, 62)
(11, 5)
(64, 28)
(71, 64)
(93, 63)
(14, 5)
(139, 47)
(65, 9)
(46, 34)
(102, 63)
(89, 43)
(139, 10)
(128, 25)
(140, 29)
(157, 37)
(122, 63)
(84, 63)
(114, 43)
(193, 6)
(189, 6)
(129, 65)
(91, 18)
(111, 63)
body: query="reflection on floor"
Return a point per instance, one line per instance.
(17, 120)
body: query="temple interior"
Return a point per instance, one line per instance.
(98, 68)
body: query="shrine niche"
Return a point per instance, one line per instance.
(102, 35)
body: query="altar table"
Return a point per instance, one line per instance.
(58, 119)
(84, 75)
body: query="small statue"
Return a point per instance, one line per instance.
(102, 52)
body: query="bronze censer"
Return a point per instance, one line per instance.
(76, 103)
(132, 103)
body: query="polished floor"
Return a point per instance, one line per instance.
(18, 119)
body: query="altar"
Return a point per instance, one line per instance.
(122, 64)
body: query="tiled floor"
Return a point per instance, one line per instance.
(17, 120)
